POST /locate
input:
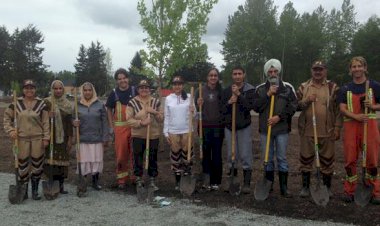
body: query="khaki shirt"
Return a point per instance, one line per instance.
(327, 113)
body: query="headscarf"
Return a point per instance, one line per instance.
(60, 104)
(93, 98)
(272, 63)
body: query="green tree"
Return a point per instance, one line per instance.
(341, 27)
(81, 67)
(174, 29)
(5, 71)
(251, 38)
(136, 70)
(91, 67)
(366, 43)
(25, 57)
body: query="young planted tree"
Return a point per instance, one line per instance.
(174, 29)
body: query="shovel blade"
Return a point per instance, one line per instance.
(150, 194)
(81, 187)
(262, 189)
(16, 193)
(363, 194)
(234, 187)
(320, 194)
(187, 185)
(142, 193)
(50, 189)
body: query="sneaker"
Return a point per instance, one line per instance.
(215, 187)
(206, 187)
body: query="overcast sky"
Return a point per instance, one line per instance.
(66, 24)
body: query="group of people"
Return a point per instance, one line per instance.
(130, 112)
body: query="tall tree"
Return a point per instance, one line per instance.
(81, 67)
(5, 71)
(251, 37)
(136, 69)
(341, 27)
(366, 43)
(26, 57)
(174, 29)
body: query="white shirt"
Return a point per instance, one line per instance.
(177, 112)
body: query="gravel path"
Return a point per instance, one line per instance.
(112, 208)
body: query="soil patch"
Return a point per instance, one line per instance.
(295, 207)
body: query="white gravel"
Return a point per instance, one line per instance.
(112, 208)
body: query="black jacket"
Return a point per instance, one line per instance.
(244, 105)
(285, 105)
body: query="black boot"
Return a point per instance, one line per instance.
(61, 187)
(35, 182)
(177, 180)
(269, 175)
(235, 172)
(247, 181)
(305, 191)
(95, 182)
(26, 191)
(327, 182)
(283, 179)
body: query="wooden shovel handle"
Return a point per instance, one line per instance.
(189, 137)
(315, 136)
(15, 148)
(147, 145)
(51, 145)
(269, 132)
(365, 127)
(233, 132)
(76, 128)
(200, 124)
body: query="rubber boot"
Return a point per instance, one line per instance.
(305, 191)
(327, 181)
(95, 182)
(269, 175)
(283, 179)
(35, 182)
(177, 181)
(61, 187)
(247, 181)
(26, 191)
(152, 184)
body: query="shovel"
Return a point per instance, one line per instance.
(51, 187)
(81, 186)
(263, 186)
(319, 193)
(187, 183)
(205, 176)
(363, 192)
(16, 192)
(145, 193)
(234, 187)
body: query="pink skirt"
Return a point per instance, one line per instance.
(91, 158)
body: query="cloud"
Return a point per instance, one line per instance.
(118, 14)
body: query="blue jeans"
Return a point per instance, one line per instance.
(243, 147)
(279, 143)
